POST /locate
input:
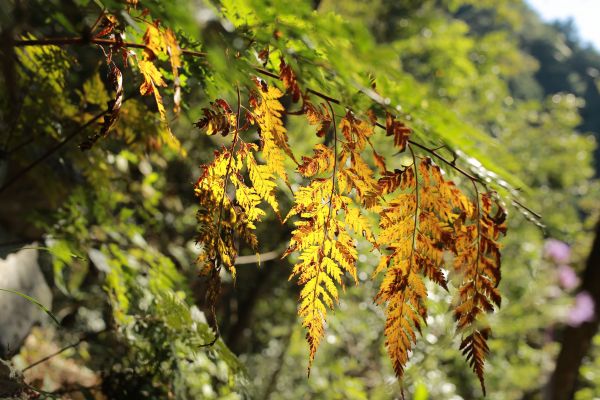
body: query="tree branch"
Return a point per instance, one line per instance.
(262, 71)
(51, 151)
(84, 41)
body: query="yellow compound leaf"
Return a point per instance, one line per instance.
(428, 219)
(263, 182)
(153, 39)
(322, 161)
(152, 79)
(404, 293)
(356, 131)
(267, 114)
(327, 251)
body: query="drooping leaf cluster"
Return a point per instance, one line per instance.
(428, 227)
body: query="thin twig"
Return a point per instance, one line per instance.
(51, 151)
(255, 259)
(445, 160)
(262, 71)
(84, 41)
(529, 210)
(82, 339)
(422, 147)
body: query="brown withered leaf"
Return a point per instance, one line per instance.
(380, 162)
(114, 105)
(318, 116)
(154, 41)
(399, 130)
(289, 80)
(107, 26)
(474, 347)
(218, 118)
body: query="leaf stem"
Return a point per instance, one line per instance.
(414, 245)
(227, 172)
(477, 262)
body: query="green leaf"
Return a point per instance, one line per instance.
(34, 301)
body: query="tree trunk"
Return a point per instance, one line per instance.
(576, 341)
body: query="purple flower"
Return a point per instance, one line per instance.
(558, 251)
(567, 277)
(582, 311)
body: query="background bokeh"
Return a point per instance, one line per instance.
(115, 227)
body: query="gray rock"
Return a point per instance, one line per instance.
(20, 271)
(11, 380)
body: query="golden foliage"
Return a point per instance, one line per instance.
(266, 113)
(426, 223)
(322, 161)
(478, 259)
(423, 223)
(327, 252)
(236, 215)
(318, 116)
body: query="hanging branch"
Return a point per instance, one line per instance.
(86, 41)
(262, 71)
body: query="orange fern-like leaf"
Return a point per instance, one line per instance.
(478, 259)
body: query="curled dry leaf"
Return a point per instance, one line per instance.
(114, 108)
